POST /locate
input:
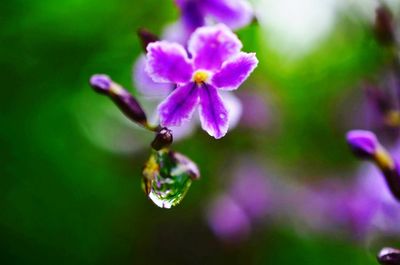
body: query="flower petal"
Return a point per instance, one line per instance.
(176, 32)
(192, 15)
(179, 106)
(168, 63)
(184, 131)
(234, 13)
(234, 105)
(213, 113)
(145, 85)
(235, 71)
(180, 132)
(211, 46)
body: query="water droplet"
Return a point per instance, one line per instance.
(167, 176)
(222, 116)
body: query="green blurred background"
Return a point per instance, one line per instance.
(65, 200)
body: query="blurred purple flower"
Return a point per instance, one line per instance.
(227, 219)
(247, 200)
(384, 102)
(336, 205)
(194, 14)
(357, 209)
(365, 206)
(198, 78)
(256, 111)
(251, 190)
(361, 207)
(370, 205)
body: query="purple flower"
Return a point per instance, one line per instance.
(251, 189)
(227, 219)
(258, 113)
(370, 204)
(233, 13)
(153, 93)
(246, 202)
(216, 63)
(360, 207)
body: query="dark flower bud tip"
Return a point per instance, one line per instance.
(101, 83)
(377, 98)
(364, 144)
(384, 25)
(389, 256)
(163, 139)
(146, 37)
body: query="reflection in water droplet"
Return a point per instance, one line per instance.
(167, 177)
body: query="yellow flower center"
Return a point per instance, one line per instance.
(200, 76)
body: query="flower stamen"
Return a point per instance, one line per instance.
(200, 77)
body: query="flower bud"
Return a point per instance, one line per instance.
(364, 144)
(162, 140)
(389, 256)
(101, 83)
(146, 37)
(122, 98)
(377, 98)
(384, 25)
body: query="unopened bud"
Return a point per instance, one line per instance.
(378, 99)
(389, 256)
(146, 37)
(364, 144)
(122, 98)
(384, 25)
(163, 139)
(101, 83)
